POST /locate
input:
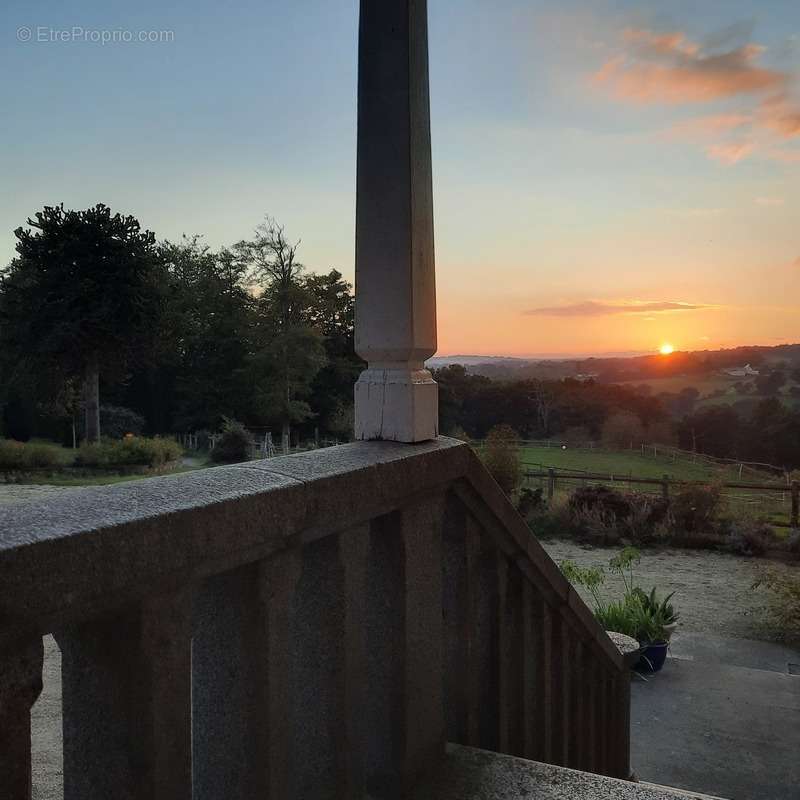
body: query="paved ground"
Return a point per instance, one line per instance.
(723, 717)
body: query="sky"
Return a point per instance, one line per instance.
(608, 176)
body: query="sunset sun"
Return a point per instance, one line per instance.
(666, 349)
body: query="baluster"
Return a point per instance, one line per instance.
(353, 555)
(126, 685)
(554, 692)
(460, 592)
(228, 699)
(404, 628)
(278, 577)
(510, 654)
(20, 685)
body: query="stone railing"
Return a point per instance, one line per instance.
(314, 626)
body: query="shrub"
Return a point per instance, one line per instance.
(595, 525)
(610, 502)
(530, 503)
(234, 445)
(131, 451)
(749, 538)
(18, 456)
(696, 508)
(501, 457)
(783, 601)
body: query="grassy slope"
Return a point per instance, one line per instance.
(621, 463)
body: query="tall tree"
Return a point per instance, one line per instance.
(78, 296)
(331, 312)
(290, 352)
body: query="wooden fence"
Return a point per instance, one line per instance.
(783, 494)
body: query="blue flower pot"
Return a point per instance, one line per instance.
(653, 657)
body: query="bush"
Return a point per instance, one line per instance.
(783, 601)
(131, 451)
(696, 508)
(749, 538)
(531, 503)
(610, 502)
(18, 456)
(234, 445)
(501, 457)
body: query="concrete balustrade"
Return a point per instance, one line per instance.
(314, 626)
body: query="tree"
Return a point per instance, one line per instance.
(623, 429)
(78, 296)
(289, 352)
(502, 459)
(197, 371)
(331, 313)
(770, 383)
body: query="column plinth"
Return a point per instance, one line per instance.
(399, 404)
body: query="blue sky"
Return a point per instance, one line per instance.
(590, 162)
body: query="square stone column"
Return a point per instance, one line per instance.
(395, 397)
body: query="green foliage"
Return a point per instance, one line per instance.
(623, 429)
(638, 614)
(19, 456)
(129, 452)
(783, 588)
(234, 445)
(696, 508)
(500, 455)
(117, 421)
(79, 297)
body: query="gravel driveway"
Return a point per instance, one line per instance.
(713, 591)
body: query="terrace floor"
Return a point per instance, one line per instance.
(723, 717)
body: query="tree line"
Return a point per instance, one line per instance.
(620, 415)
(97, 314)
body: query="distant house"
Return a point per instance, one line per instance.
(741, 372)
(586, 376)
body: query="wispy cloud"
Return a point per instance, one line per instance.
(672, 69)
(769, 201)
(730, 152)
(593, 308)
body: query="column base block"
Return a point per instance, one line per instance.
(400, 405)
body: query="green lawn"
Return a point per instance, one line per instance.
(622, 463)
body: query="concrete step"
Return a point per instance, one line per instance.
(471, 774)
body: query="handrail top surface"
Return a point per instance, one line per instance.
(97, 549)
(96, 508)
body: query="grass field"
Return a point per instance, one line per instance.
(623, 463)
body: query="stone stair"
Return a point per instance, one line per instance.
(471, 774)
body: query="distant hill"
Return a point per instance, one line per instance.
(618, 369)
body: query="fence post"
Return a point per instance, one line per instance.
(665, 488)
(551, 484)
(795, 504)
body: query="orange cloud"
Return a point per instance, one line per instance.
(781, 116)
(711, 125)
(592, 308)
(730, 152)
(670, 68)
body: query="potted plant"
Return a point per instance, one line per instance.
(638, 614)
